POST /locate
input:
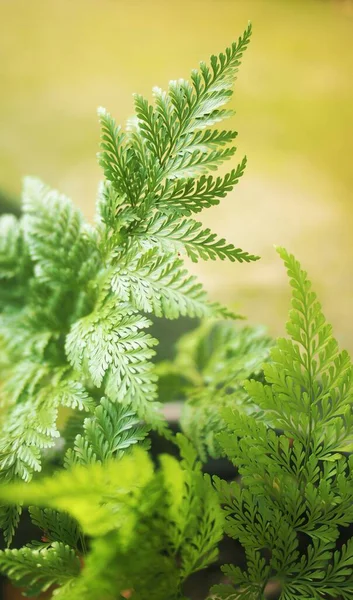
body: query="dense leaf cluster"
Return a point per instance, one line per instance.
(78, 381)
(78, 378)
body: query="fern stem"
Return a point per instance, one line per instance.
(83, 544)
(310, 388)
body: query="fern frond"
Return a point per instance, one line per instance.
(194, 164)
(186, 196)
(111, 430)
(197, 524)
(66, 390)
(31, 424)
(140, 528)
(159, 283)
(167, 146)
(308, 371)
(110, 345)
(210, 139)
(170, 232)
(56, 236)
(149, 121)
(12, 251)
(37, 570)
(56, 526)
(30, 428)
(9, 519)
(113, 158)
(250, 583)
(197, 104)
(296, 480)
(211, 365)
(73, 336)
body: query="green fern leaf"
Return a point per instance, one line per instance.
(56, 236)
(110, 344)
(170, 232)
(108, 433)
(56, 526)
(297, 480)
(37, 570)
(158, 283)
(96, 494)
(9, 519)
(186, 196)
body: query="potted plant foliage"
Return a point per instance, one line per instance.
(80, 393)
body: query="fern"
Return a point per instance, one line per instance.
(56, 526)
(73, 295)
(209, 370)
(79, 382)
(37, 570)
(133, 545)
(56, 236)
(80, 385)
(107, 434)
(296, 476)
(186, 196)
(168, 232)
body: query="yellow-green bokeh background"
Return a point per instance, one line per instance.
(60, 59)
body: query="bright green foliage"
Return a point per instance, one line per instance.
(39, 568)
(89, 493)
(209, 370)
(56, 526)
(150, 530)
(110, 342)
(186, 234)
(57, 238)
(110, 431)
(297, 484)
(73, 300)
(73, 296)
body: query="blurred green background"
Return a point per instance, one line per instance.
(60, 59)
